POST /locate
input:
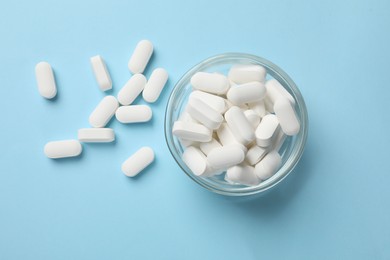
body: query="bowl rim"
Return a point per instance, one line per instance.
(301, 106)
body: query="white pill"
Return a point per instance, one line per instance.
(240, 126)
(45, 80)
(279, 140)
(288, 120)
(103, 112)
(133, 114)
(268, 166)
(138, 161)
(210, 82)
(242, 174)
(275, 90)
(96, 135)
(101, 73)
(255, 154)
(141, 56)
(63, 149)
(207, 147)
(131, 89)
(258, 107)
(191, 131)
(215, 102)
(225, 156)
(196, 161)
(226, 137)
(252, 117)
(203, 113)
(246, 73)
(267, 130)
(246, 93)
(155, 85)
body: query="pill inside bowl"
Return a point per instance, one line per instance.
(234, 124)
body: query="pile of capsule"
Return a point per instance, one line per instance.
(236, 125)
(120, 106)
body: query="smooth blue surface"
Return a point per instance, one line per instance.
(336, 204)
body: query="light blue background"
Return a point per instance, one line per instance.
(335, 205)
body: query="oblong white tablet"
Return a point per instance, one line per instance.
(215, 102)
(45, 80)
(191, 131)
(210, 82)
(103, 112)
(288, 120)
(246, 73)
(275, 90)
(96, 135)
(138, 161)
(240, 126)
(196, 161)
(268, 166)
(130, 91)
(141, 56)
(246, 93)
(63, 149)
(225, 156)
(255, 154)
(204, 113)
(267, 130)
(242, 174)
(133, 114)
(101, 73)
(155, 85)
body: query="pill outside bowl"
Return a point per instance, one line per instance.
(291, 151)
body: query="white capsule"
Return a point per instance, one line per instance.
(246, 93)
(242, 174)
(103, 112)
(225, 156)
(255, 154)
(246, 73)
(267, 130)
(195, 161)
(191, 131)
(131, 89)
(288, 120)
(268, 166)
(133, 114)
(96, 135)
(210, 82)
(215, 102)
(45, 80)
(141, 56)
(155, 85)
(138, 161)
(63, 149)
(240, 126)
(275, 90)
(209, 146)
(101, 73)
(252, 117)
(203, 113)
(258, 107)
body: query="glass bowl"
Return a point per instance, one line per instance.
(291, 151)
